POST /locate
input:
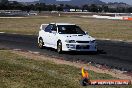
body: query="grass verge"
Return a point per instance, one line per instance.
(99, 28)
(20, 72)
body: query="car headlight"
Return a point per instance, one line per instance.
(70, 41)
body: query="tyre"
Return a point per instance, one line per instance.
(59, 47)
(41, 43)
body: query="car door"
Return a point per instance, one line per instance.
(53, 35)
(46, 35)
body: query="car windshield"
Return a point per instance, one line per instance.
(70, 29)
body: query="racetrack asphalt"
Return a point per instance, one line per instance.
(114, 54)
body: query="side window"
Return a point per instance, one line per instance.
(54, 28)
(48, 28)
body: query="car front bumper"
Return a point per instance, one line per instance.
(79, 47)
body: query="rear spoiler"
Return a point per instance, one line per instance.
(43, 26)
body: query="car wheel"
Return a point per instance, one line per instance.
(41, 43)
(59, 47)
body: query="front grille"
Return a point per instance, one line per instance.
(82, 41)
(82, 47)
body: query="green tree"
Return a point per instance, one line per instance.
(106, 8)
(93, 8)
(85, 7)
(130, 9)
(3, 1)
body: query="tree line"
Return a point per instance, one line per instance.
(14, 5)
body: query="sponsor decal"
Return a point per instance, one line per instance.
(86, 80)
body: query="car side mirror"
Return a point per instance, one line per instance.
(86, 32)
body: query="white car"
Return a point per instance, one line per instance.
(65, 37)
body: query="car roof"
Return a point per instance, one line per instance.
(62, 23)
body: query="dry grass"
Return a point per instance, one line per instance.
(17, 71)
(99, 28)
